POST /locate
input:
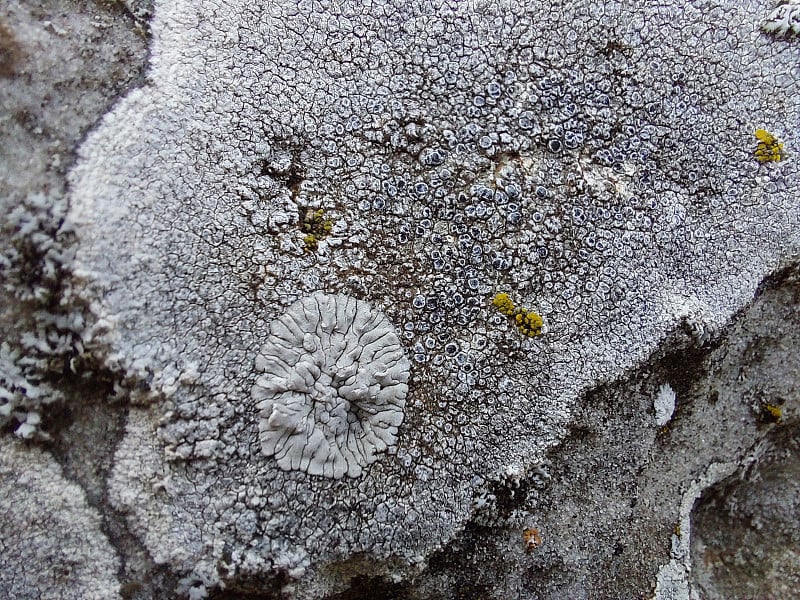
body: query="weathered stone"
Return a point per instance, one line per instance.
(594, 161)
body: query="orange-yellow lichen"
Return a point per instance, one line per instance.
(504, 304)
(769, 148)
(528, 322)
(772, 412)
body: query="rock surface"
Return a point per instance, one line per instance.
(595, 162)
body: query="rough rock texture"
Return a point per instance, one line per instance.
(52, 545)
(595, 161)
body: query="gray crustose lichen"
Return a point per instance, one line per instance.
(607, 179)
(333, 386)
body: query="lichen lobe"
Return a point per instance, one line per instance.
(333, 385)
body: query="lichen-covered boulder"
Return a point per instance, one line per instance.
(610, 181)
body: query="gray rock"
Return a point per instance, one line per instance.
(595, 162)
(52, 544)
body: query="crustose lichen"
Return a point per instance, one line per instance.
(769, 149)
(528, 322)
(315, 226)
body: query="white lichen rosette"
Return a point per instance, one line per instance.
(333, 386)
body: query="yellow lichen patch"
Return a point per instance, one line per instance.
(316, 227)
(769, 148)
(504, 304)
(310, 241)
(531, 323)
(528, 322)
(772, 412)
